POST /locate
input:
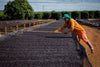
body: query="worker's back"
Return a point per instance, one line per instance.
(77, 27)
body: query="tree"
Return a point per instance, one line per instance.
(19, 9)
(46, 15)
(84, 15)
(91, 14)
(97, 14)
(65, 12)
(56, 15)
(2, 16)
(38, 15)
(75, 15)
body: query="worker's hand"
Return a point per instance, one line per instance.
(57, 31)
(92, 50)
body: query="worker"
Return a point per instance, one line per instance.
(76, 28)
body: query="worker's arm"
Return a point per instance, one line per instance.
(71, 29)
(62, 28)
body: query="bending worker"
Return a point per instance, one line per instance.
(77, 29)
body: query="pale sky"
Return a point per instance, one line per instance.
(60, 5)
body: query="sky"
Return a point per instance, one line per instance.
(60, 5)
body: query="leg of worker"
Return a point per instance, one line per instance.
(90, 45)
(86, 40)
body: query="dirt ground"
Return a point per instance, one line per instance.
(94, 37)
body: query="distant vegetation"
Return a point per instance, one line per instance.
(21, 9)
(54, 15)
(17, 9)
(74, 14)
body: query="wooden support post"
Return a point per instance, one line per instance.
(0, 34)
(29, 24)
(5, 30)
(24, 26)
(17, 27)
(33, 24)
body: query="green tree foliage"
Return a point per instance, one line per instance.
(13, 11)
(84, 15)
(56, 15)
(3, 17)
(53, 15)
(65, 12)
(46, 15)
(97, 14)
(75, 15)
(38, 15)
(91, 14)
(19, 9)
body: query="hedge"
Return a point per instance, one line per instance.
(91, 14)
(84, 15)
(38, 15)
(66, 12)
(46, 15)
(56, 15)
(3, 16)
(97, 14)
(75, 15)
(59, 14)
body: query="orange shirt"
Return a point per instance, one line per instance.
(73, 26)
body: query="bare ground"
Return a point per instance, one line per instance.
(94, 37)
